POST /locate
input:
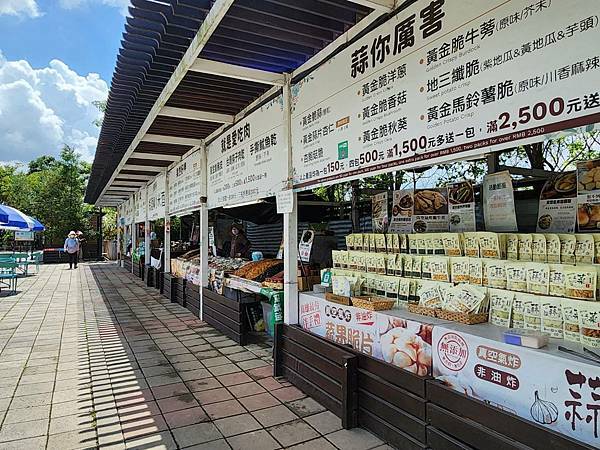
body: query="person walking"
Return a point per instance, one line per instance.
(72, 249)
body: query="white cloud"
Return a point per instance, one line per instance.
(20, 8)
(42, 109)
(71, 4)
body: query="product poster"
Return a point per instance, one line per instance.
(588, 195)
(305, 245)
(461, 206)
(499, 203)
(442, 81)
(558, 209)
(185, 184)
(554, 392)
(156, 198)
(430, 212)
(402, 211)
(379, 212)
(403, 343)
(140, 206)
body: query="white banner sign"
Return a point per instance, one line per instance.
(555, 392)
(499, 202)
(128, 212)
(447, 80)
(140, 205)
(156, 198)
(248, 162)
(185, 184)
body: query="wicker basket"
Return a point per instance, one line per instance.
(373, 303)
(338, 299)
(423, 310)
(466, 318)
(273, 285)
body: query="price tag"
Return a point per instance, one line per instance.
(285, 201)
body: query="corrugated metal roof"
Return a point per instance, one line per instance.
(270, 35)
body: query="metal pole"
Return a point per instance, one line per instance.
(167, 243)
(203, 230)
(146, 229)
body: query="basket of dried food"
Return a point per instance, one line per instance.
(463, 317)
(423, 310)
(341, 299)
(465, 304)
(373, 303)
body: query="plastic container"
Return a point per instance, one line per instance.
(525, 338)
(267, 310)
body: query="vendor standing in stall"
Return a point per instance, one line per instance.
(240, 245)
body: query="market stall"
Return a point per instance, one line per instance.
(140, 229)
(156, 219)
(125, 231)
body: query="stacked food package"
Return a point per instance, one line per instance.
(544, 282)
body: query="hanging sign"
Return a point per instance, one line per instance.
(430, 211)
(461, 206)
(305, 245)
(588, 195)
(128, 212)
(248, 161)
(285, 201)
(402, 211)
(140, 205)
(23, 235)
(185, 184)
(557, 209)
(441, 81)
(379, 213)
(156, 198)
(499, 202)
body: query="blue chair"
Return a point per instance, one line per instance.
(8, 275)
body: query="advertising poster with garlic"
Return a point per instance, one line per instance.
(499, 202)
(430, 211)
(588, 195)
(558, 204)
(402, 211)
(555, 392)
(461, 206)
(379, 212)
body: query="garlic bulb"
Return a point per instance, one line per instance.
(543, 411)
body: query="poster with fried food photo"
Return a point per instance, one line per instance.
(558, 204)
(588, 195)
(430, 213)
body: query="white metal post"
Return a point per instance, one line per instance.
(203, 231)
(119, 250)
(290, 220)
(146, 231)
(134, 238)
(167, 242)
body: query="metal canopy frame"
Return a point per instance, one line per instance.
(188, 69)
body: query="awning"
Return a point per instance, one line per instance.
(17, 220)
(187, 69)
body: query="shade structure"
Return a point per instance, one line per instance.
(17, 220)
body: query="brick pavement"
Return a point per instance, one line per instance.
(91, 358)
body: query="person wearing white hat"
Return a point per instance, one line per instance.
(72, 249)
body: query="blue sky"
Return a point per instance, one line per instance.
(56, 59)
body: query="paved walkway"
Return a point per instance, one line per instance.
(91, 358)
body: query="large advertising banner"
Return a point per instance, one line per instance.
(156, 198)
(185, 184)
(128, 210)
(555, 392)
(403, 343)
(140, 205)
(248, 161)
(444, 80)
(588, 196)
(558, 204)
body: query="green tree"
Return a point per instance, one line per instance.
(42, 163)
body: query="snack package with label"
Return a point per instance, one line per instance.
(538, 248)
(553, 248)
(370, 262)
(465, 298)
(345, 286)
(516, 276)
(496, 273)
(343, 259)
(596, 248)
(518, 320)
(407, 263)
(403, 289)
(589, 324)
(552, 317)
(358, 242)
(437, 243)
(452, 244)
(501, 302)
(335, 259)
(429, 294)
(403, 243)
(380, 285)
(475, 271)
(525, 247)
(489, 245)
(556, 280)
(417, 266)
(532, 314)
(471, 244)
(538, 278)
(395, 247)
(580, 282)
(380, 260)
(350, 242)
(425, 269)
(392, 285)
(380, 244)
(391, 264)
(512, 247)
(459, 268)
(584, 249)
(399, 272)
(567, 248)
(440, 268)
(413, 241)
(570, 310)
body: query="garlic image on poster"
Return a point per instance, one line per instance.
(456, 383)
(408, 350)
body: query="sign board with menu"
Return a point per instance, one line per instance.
(588, 196)
(185, 184)
(558, 204)
(441, 81)
(156, 198)
(248, 161)
(140, 205)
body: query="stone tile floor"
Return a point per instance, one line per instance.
(91, 358)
